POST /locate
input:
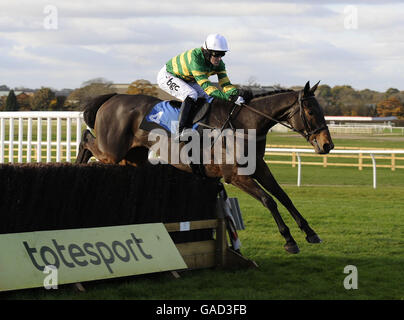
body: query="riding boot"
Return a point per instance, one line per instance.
(183, 120)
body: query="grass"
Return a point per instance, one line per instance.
(338, 176)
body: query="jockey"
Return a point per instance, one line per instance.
(186, 77)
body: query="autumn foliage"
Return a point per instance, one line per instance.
(142, 87)
(390, 107)
(340, 100)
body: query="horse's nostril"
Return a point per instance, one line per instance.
(326, 148)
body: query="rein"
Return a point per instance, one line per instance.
(306, 132)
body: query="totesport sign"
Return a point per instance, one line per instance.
(29, 259)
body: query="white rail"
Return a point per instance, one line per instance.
(58, 119)
(25, 122)
(299, 163)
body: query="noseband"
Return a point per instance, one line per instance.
(307, 132)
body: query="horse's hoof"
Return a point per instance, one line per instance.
(313, 239)
(291, 248)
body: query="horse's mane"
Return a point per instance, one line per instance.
(270, 93)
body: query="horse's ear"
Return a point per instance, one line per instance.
(306, 89)
(314, 88)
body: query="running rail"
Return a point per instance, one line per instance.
(298, 151)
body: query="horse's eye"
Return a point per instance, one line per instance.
(310, 112)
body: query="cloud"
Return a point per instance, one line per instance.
(286, 42)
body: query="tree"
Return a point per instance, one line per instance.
(42, 99)
(142, 87)
(11, 102)
(23, 101)
(324, 97)
(370, 96)
(99, 80)
(324, 91)
(57, 103)
(252, 82)
(390, 107)
(89, 89)
(391, 91)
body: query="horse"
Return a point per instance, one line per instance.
(116, 120)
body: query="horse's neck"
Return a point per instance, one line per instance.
(272, 105)
(220, 112)
(277, 105)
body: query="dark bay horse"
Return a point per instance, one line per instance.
(116, 121)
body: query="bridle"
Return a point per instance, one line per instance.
(307, 131)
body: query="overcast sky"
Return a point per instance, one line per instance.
(61, 44)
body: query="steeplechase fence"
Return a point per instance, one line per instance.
(49, 196)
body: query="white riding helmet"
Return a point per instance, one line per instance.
(216, 42)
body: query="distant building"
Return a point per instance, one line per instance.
(355, 119)
(5, 93)
(122, 88)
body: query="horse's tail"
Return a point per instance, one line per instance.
(91, 107)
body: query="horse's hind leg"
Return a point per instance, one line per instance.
(89, 148)
(84, 154)
(264, 176)
(114, 152)
(248, 185)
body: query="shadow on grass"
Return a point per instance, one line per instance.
(309, 277)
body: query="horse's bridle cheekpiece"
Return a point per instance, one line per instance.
(308, 132)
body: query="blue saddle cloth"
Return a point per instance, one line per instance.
(164, 115)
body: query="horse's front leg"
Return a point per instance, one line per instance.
(248, 185)
(264, 176)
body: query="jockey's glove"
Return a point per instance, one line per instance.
(246, 94)
(239, 101)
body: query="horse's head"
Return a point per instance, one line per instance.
(308, 119)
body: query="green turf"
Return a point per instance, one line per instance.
(337, 176)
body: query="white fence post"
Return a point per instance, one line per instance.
(11, 141)
(58, 139)
(20, 136)
(39, 140)
(48, 139)
(68, 138)
(29, 139)
(374, 170)
(299, 169)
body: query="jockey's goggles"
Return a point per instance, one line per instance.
(217, 54)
